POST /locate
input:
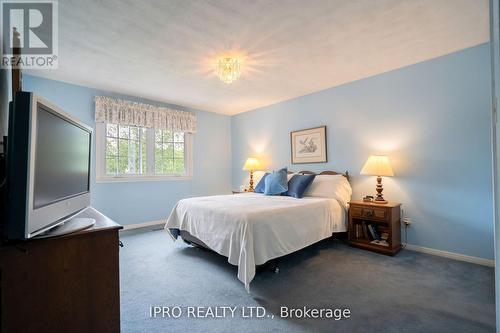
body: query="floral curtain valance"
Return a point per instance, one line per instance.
(118, 111)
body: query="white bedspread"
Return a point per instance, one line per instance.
(251, 228)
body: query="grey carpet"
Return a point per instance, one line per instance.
(411, 292)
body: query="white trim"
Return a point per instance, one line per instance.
(130, 179)
(143, 225)
(451, 255)
(150, 153)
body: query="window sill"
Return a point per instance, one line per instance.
(134, 179)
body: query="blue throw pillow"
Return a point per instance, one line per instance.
(261, 185)
(298, 185)
(276, 182)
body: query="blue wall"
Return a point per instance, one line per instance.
(431, 118)
(138, 202)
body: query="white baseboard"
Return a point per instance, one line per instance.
(143, 225)
(451, 255)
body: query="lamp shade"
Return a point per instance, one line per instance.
(377, 165)
(251, 164)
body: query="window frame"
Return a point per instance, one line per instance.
(102, 177)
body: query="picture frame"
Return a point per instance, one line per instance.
(308, 146)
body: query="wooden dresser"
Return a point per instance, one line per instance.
(385, 218)
(68, 283)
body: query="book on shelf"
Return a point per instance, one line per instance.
(359, 231)
(380, 242)
(365, 229)
(373, 231)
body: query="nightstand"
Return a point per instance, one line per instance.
(381, 219)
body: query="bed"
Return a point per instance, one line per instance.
(250, 228)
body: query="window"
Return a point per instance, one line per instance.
(169, 152)
(125, 150)
(127, 153)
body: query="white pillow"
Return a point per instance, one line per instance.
(330, 186)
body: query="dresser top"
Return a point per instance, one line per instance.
(372, 204)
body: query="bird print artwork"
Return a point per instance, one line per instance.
(308, 145)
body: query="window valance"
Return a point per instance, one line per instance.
(118, 111)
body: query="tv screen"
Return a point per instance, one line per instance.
(62, 160)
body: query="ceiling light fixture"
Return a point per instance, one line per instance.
(228, 69)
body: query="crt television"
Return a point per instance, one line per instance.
(48, 167)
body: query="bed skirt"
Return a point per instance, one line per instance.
(191, 240)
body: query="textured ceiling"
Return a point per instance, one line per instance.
(165, 50)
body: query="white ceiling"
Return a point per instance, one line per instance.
(165, 50)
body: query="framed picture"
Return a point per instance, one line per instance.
(309, 145)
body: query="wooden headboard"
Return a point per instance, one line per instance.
(346, 174)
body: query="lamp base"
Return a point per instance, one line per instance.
(380, 202)
(250, 189)
(379, 199)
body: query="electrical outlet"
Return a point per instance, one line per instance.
(407, 221)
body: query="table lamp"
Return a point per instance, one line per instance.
(378, 165)
(252, 164)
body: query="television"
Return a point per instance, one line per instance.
(48, 167)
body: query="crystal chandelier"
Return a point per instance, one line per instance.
(228, 69)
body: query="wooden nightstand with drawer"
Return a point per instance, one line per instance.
(367, 219)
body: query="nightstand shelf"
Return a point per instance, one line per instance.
(385, 219)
